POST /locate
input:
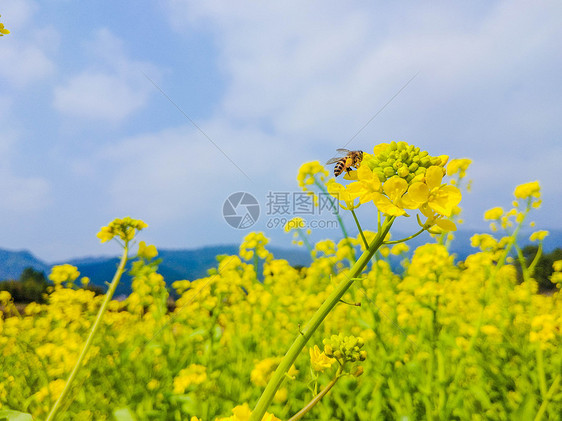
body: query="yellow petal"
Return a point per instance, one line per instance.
(366, 174)
(384, 204)
(395, 187)
(433, 177)
(445, 199)
(416, 196)
(446, 224)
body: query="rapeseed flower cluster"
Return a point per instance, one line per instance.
(125, 229)
(345, 348)
(399, 177)
(3, 30)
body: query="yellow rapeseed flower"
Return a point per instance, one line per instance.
(319, 360)
(3, 31)
(367, 185)
(308, 171)
(125, 229)
(399, 248)
(458, 166)
(147, 252)
(538, 235)
(193, 375)
(524, 191)
(342, 194)
(64, 273)
(494, 213)
(263, 371)
(243, 413)
(440, 198)
(390, 203)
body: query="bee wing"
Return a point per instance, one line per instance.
(343, 151)
(333, 160)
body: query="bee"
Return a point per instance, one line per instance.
(351, 159)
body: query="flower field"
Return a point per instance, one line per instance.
(439, 340)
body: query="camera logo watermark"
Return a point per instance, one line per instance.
(241, 210)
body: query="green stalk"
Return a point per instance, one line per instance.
(318, 397)
(359, 228)
(553, 389)
(335, 204)
(306, 333)
(403, 240)
(85, 349)
(304, 240)
(541, 376)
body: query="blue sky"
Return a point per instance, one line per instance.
(87, 137)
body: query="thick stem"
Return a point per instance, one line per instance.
(90, 338)
(316, 320)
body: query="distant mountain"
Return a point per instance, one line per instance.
(176, 264)
(194, 263)
(12, 263)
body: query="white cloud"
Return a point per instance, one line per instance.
(27, 51)
(18, 193)
(23, 194)
(111, 89)
(176, 173)
(315, 73)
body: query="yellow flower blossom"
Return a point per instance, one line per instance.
(195, 374)
(527, 190)
(342, 194)
(494, 213)
(367, 186)
(391, 202)
(319, 360)
(243, 413)
(399, 249)
(458, 166)
(254, 243)
(125, 229)
(64, 273)
(147, 252)
(3, 31)
(538, 235)
(440, 198)
(308, 171)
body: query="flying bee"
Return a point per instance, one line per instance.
(351, 159)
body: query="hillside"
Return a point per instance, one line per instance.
(193, 263)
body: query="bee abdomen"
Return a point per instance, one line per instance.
(338, 168)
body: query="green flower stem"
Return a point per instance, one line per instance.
(360, 230)
(553, 389)
(306, 333)
(317, 398)
(304, 239)
(540, 370)
(85, 349)
(536, 259)
(403, 240)
(335, 204)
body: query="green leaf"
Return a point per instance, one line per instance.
(11, 415)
